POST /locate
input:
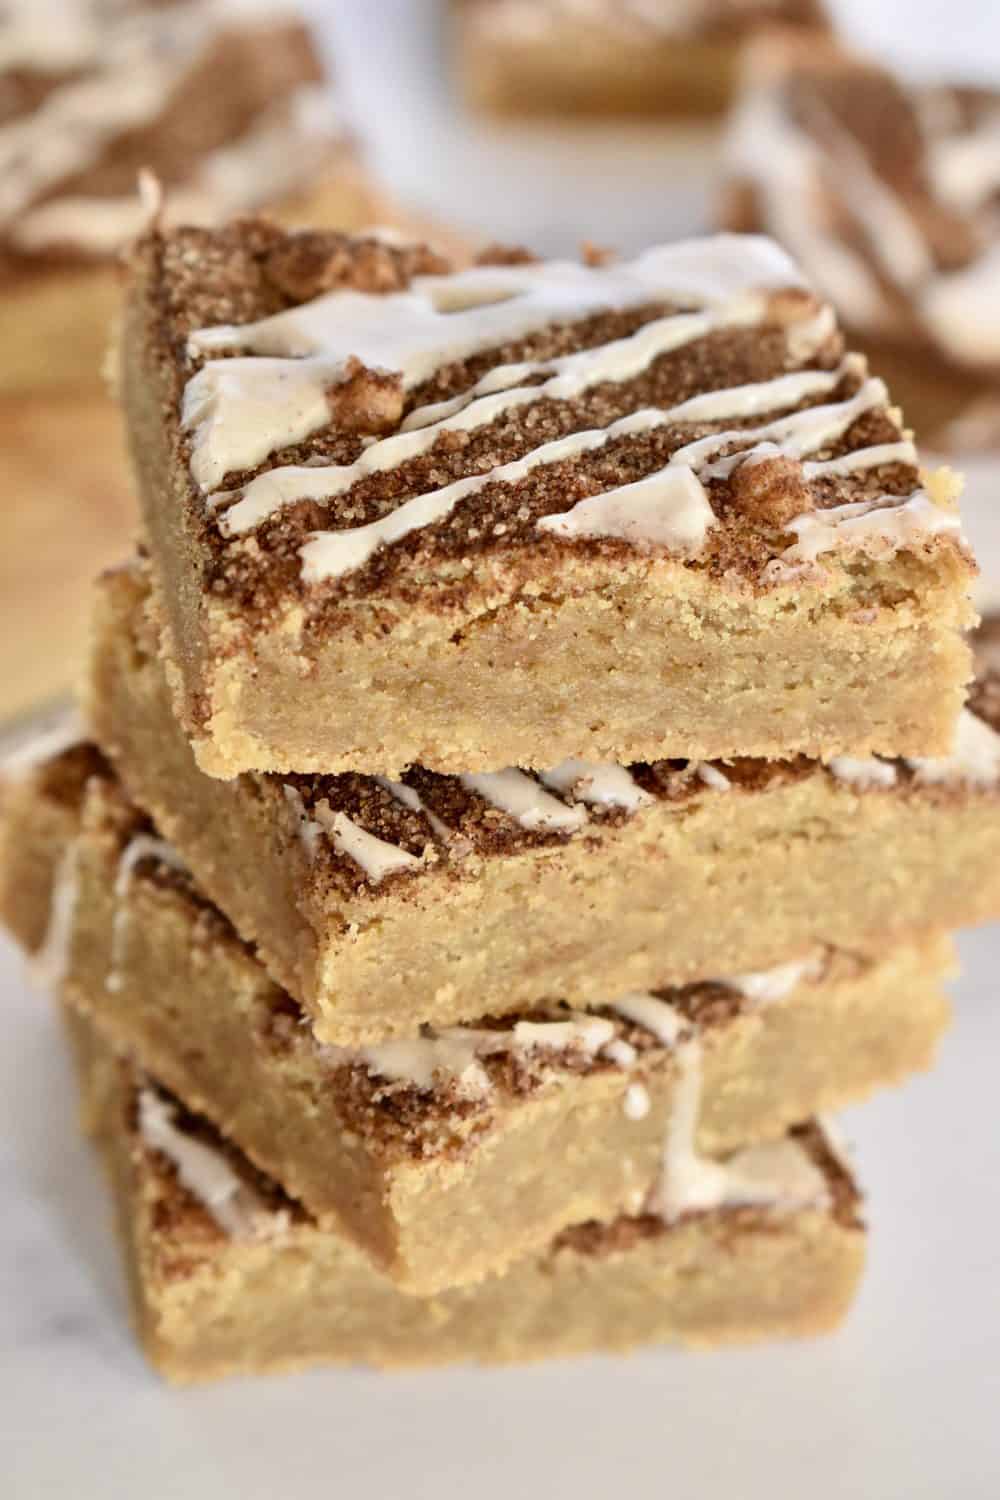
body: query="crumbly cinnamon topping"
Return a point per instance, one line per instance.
(176, 1212)
(242, 273)
(771, 490)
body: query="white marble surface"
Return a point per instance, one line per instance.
(901, 1406)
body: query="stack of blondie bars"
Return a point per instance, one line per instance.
(529, 784)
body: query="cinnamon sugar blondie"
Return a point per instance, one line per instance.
(61, 523)
(385, 905)
(230, 110)
(675, 57)
(229, 1275)
(434, 1156)
(400, 514)
(887, 193)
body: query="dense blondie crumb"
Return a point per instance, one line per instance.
(425, 1152)
(276, 1293)
(704, 17)
(554, 57)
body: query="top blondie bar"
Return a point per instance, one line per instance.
(524, 511)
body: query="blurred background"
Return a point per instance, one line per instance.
(426, 160)
(552, 183)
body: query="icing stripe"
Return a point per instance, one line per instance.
(779, 1175)
(597, 784)
(374, 856)
(237, 1208)
(521, 797)
(332, 554)
(141, 846)
(241, 409)
(269, 492)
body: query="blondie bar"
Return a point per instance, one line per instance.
(78, 518)
(525, 511)
(434, 1156)
(229, 1275)
(886, 193)
(228, 108)
(384, 905)
(675, 57)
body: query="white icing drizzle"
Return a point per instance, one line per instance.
(597, 784)
(667, 509)
(524, 800)
(620, 1052)
(49, 964)
(275, 155)
(654, 1015)
(415, 803)
(794, 436)
(795, 174)
(239, 410)
(636, 1103)
(141, 846)
(866, 773)
(452, 1055)
(780, 1175)
(310, 831)
(660, 509)
(975, 760)
(623, 359)
(375, 857)
(960, 309)
(242, 409)
(878, 527)
(237, 1208)
(712, 776)
(277, 487)
(965, 168)
(785, 166)
(768, 985)
(41, 744)
(127, 66)
(903, 452)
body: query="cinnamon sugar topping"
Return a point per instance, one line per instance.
(352, 439)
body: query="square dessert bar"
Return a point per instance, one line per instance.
(229, 1275)
(400, 514)
(434, 1156)
(605, 57)
(227, 106)
(886, 193)
(381, 906)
